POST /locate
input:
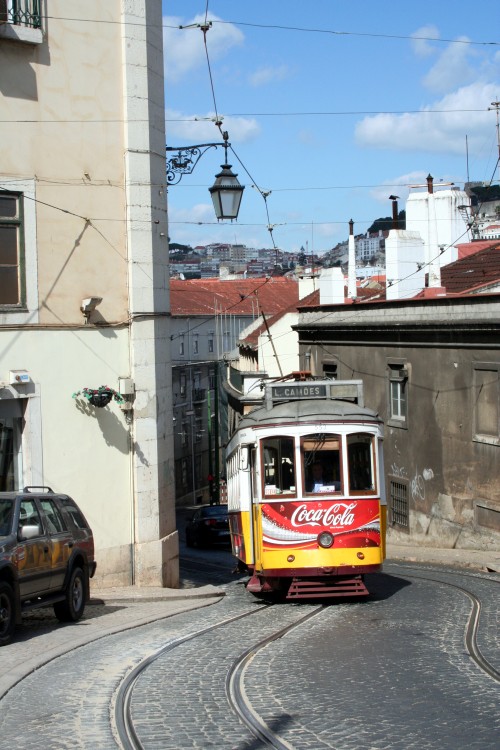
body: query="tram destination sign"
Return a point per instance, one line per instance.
(307, 390)
(345, 390)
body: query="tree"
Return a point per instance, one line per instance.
(385, 223)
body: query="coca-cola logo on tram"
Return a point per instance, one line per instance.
(292, 524)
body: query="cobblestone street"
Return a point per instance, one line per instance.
(389, 673)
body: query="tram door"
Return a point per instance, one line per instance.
(277, 487)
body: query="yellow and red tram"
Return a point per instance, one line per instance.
(305, 484)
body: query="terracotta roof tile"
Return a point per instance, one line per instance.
(240, 297)
(470, 273)
(471, 248)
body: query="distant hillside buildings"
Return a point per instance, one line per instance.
(473, 212)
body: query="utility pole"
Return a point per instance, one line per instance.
(216, 495)
(496, 106)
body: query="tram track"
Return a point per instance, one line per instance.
(235, 678)
(472, 626)
(123, 721)
(236, 694)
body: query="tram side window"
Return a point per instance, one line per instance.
(279, 466)
(321, 468)
(360, 460)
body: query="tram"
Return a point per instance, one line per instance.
(306, 495)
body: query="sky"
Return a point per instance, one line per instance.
(330, 107)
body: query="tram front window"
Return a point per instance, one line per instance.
(279, 466)
(321, 463)
(359, 456)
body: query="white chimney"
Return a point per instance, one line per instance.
(351, 273)
(331, 286)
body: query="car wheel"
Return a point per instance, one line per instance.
(71, 609)
(7, 613)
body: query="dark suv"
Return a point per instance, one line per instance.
(46, 556)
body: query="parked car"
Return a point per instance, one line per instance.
(46, 556)
(208, 525)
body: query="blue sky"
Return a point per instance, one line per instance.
(330, 123)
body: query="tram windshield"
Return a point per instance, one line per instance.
(321, 467)
(322, 463)
(279, 467)
(360, 460)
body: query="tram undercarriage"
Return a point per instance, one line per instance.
(309, 587)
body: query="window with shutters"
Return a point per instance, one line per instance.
(12, 287)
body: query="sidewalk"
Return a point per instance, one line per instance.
(124, 594)
(485, 560)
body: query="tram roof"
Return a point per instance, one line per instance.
(309, 410)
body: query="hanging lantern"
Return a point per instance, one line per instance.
(226, 194)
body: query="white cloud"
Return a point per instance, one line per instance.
(398, 185)
(201, 128)
(452, 69)
(434, 132)
(268, 74)
(420, 43)
(184, 49)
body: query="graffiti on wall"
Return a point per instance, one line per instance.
(417, 483)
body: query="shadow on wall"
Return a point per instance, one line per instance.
(114, 431)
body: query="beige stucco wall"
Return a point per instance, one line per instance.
(83, 122)
(62, 123)
(70, 446)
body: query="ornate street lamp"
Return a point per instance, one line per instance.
(226, 191)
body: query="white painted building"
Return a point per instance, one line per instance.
(83, 215)
(434, 213)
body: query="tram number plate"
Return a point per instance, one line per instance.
(299, 391)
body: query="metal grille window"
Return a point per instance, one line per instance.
(21, 12)
(11, 249)
(399, 508)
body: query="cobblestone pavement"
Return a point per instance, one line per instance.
(390, 673)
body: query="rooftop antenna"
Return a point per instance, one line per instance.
(467, 156)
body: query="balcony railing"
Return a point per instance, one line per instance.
(21, 13)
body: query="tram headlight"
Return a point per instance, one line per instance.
(325, 539)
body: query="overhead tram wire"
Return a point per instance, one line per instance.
(333, 32)
(337, 113)
(205, 27)
(279, 27)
